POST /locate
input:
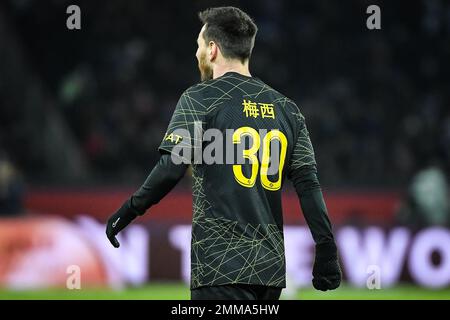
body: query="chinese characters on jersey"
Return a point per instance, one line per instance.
(255, 110)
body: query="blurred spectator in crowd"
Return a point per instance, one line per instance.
(427, 201)
(11, 189)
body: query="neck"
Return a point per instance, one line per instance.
(238, 67)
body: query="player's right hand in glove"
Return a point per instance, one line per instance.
(326, 271)
(119, 221)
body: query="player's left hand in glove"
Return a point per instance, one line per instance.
(326, 271)
(119, 221)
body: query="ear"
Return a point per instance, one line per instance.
(213, 50)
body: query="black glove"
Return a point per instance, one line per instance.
(119, 221)
(326, 271)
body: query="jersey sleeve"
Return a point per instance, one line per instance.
(303, 153)
(183, 137)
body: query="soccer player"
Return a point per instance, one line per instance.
(237, 248)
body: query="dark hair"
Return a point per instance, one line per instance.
(231, 29)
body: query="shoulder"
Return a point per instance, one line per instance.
(286, 103)
(192, 98)
(197, 91)
(192, 90)
(200, 88)
(295, 110)
(207, 95)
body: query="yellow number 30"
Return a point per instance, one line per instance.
(251, 155)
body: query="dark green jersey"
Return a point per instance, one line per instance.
(237, 228)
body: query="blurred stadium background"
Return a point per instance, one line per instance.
(77, 107)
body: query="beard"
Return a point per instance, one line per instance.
(206, 72)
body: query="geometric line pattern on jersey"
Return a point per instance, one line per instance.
(199, 207)
(227, 252)
(303, 152)
(231, 253)
(184, 117)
